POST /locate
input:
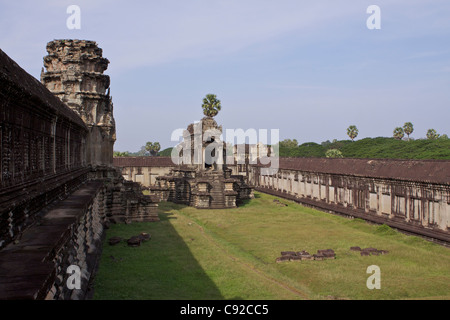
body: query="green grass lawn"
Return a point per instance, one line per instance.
(230, 254)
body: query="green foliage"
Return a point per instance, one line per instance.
(288, 143)
(211, 105)
(352, 132)
(152, 147)
(381, 148)
(166, 152)
(390, 148)
(432, 134)
(121, 154)
(408, 128)
(399, 133)
(333, 153)
(308, 149)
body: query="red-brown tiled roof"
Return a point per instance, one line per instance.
(433, 171)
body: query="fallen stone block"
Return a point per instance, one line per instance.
(325, 250)
(365, 253)
(307, 257)
(134, 241)
(114, 240)
(318, 257)
(295, 258)
(370, 249)
(355, 248)
(282, 259)
(288, 253)
(145, 236)
(329, 255)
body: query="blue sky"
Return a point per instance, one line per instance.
(307, 68)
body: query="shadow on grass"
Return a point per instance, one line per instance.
(162, 268)
(245, 202)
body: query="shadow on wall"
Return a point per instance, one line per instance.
(162, 268)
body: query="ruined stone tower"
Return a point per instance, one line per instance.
(200, 179)
(74, 73)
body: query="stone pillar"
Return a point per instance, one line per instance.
(74, 73)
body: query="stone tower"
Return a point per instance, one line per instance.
(74, 73)
(200, 178)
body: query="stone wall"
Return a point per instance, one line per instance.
(56, 191)
(413, 196)
(125, 201)
(42, 155)
(143, 170)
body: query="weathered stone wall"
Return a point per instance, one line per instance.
(382, 191)
(42, 155)
(57, 183)
(75, 75)
(124, 200)
(412, 195)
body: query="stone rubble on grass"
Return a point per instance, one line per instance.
(145, 236)
(135, 241)
(304, 255)
(369, 251)
(114, 240)
(325, 254)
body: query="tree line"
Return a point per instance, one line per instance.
(379, 147)
(149, 149)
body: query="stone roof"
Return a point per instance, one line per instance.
(143, 162)
(431, 171)
(22, 83)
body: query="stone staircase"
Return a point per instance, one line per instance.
(217, 192)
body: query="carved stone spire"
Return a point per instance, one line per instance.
(74, 73)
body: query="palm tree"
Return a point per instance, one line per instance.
(211, 105)
(408, 128)
(399, 133)
(156, 148)
(352, 132)
(432, 134)
(152, 148)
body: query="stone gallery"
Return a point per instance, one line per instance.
(60, 186)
